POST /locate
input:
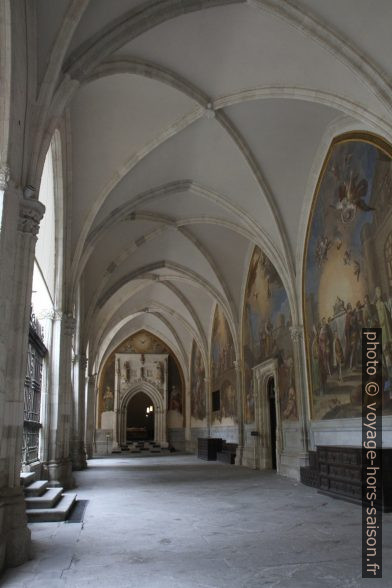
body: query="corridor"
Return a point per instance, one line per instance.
(179, 522)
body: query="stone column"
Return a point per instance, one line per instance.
(240, 416)
(90, 414)
(187, 409)
(208, 404)
(79, 383)
(21, 218)
(59, 465)
(297, 336)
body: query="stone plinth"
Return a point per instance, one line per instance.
(107, 420)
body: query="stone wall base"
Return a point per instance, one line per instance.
(248, 457)
(291, 462)
(15, 537)
(177, 439)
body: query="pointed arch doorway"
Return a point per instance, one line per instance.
(268, 444)
(140, 418)
(134, 402)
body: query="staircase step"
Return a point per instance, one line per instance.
(52, 515)
(26, 478)
(36, 488)
(48, 500)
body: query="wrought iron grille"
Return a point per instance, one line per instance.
(32, 392)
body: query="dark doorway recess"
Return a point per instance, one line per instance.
(140, 422)
(272, 413)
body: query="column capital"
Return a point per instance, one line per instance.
(237, 365)
(30, 215)
(68, 323)
(297, 333)
(83, 361)
(92, 378)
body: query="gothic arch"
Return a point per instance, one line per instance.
(160, 411)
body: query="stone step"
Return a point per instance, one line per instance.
(36, 488)
(26, 478)
(51, 515)
(48, 500)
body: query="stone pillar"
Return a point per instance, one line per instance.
(295, 433)
(79, 383)
(187, 409)
(297, 336)
(117, 415)
(21, 218)
(59, 465)
(208, 405)
(90, 414)
(240, 415)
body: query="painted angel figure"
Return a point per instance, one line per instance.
(351, 193)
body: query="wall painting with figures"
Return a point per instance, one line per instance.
(223, 374)
(198, 389)
(266, 334)
(348, 273)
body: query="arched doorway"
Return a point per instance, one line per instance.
(158, 426)
(268, 441)
(272, 415)
(140, 418)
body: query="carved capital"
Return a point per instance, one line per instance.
(83, 361)
(68, 323)
(297, 333)
(5, 175)
(30, 215)
(49, 313)
(237, 365)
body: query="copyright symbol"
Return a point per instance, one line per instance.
(372, 389)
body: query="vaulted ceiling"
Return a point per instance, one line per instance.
(197, 130)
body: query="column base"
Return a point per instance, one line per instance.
(249, 458)
(239, 455)
(59, 473)
(15, 536)
(89, 451)
(78, 456)
(291, 462)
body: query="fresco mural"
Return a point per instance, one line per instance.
(348, 273)
(142, 342)
(266, 334)
(223, 375)
(198, 396)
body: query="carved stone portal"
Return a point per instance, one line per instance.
(136, 373)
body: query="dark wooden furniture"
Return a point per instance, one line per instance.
(227, 453)
(208, 447)
(337, 471)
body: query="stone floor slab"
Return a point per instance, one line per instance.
(178, 522)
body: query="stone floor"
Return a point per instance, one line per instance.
(178, 522)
